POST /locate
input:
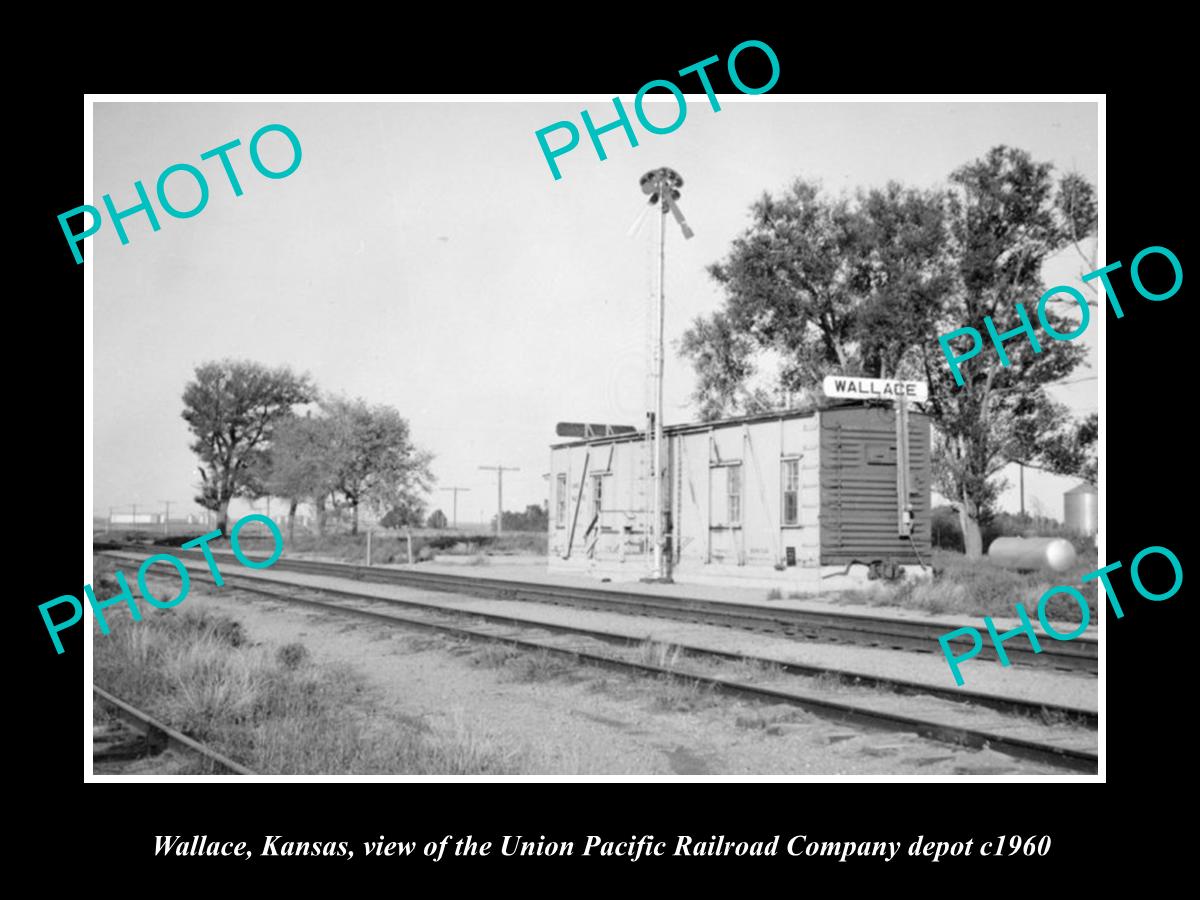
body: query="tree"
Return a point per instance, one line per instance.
(409, 512)
(437, 519)
(301, 465)
(232, 407)
(1005, 221)
(865, 285)
(534, 518)
(723, 359)
(841, 285)
(374, 459)
(1076, 201)
(788, 287)
(1072, 450)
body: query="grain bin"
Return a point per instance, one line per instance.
(1081, 509)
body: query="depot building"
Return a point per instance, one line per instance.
(808, 500)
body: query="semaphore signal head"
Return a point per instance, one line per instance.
(658, 182)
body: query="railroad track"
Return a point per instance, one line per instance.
(1079, 655)
(448, 621)
(158, 736)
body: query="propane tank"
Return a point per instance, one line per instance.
(1032, 553)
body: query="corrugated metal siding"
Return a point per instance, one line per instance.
(859, 512)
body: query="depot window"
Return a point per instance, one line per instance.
(790, 480)
(733, 493)
(725, 491)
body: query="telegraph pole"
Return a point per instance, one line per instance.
(456, 492)
(166, 516)
(500, 470)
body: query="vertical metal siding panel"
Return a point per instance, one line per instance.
(676, 480)
(810, 492)
(708, 498)
(694, 467)
(858, 486)
(760, 489)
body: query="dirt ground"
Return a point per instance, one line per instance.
(563, 719)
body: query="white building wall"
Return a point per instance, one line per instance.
(708, 544)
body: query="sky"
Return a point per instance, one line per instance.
(423, 256)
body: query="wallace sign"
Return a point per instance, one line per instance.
(875, 389)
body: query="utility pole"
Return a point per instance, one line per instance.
(500, 470)
(166, 516)
(456, 491)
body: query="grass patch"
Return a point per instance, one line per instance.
(829, 681)
(525, 667)
(492, 656)
(529, 668)
(274, 710)
(748, 669)
(292, 656)
(654, 653)
(678, 694)
(979, 587)
(1055, 717)
(392, 547)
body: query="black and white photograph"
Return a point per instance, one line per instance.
(535, 438)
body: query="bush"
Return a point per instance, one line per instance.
(292, 656)
(449, 541)
(386, 548)
(978, 587)
(177, 540)
(534, 518)
(946, 532)
(1009, 525)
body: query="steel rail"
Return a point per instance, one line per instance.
(1011, 705)
(1066, 757)
(165, 734)
(873, 631)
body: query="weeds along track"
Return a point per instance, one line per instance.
(158, 737)
(585, 645)
(1079, 655)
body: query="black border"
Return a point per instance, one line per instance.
(1145, 426)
